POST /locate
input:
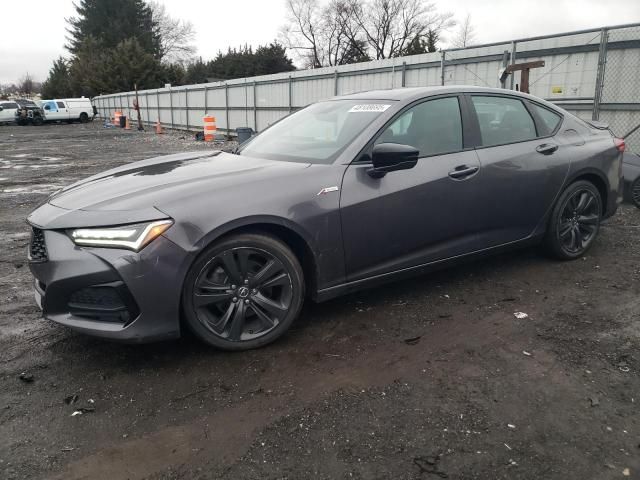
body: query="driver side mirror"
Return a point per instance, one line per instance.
(389, 157)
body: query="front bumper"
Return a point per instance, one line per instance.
(111, 293)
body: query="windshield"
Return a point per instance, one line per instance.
(316, 134)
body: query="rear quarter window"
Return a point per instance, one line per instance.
(550, 119)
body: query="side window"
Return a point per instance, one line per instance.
(550, 119)
(433, 127)
(60, 104)
(503, 120)
(7, 106)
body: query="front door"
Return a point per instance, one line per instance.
(416, 216)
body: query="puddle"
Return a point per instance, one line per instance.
(20, 155)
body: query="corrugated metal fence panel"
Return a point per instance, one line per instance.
(569, 75)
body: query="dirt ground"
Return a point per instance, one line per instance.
(429, 378)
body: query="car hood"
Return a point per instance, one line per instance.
(158, 182)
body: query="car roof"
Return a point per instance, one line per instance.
(414, 93)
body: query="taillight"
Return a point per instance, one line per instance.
(619, 143)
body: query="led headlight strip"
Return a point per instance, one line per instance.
(132, 237)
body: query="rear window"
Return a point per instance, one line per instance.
(503, 120)
(550, 119)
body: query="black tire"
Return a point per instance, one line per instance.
(84, 118)
(243, 292)
(635, 192)
(575, 221)
(37, 121)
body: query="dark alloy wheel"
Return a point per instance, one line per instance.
(635, 192)
(244, 292)
(575, 221)
(84, 118)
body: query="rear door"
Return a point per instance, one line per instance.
(523, 165)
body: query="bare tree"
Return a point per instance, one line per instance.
(26, 84)
(465, 35)
(175, 35)
(389, 26)
(323, 34)
(347, 31)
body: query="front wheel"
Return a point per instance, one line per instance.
(575, 221)
(635, 192)
(37, 121)
(243, 292)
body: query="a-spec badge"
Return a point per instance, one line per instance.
(326, 190)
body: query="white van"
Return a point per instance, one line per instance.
(8, 111)
(67, 109)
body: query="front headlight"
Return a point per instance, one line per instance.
(132, 237)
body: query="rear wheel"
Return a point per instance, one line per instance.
(243, 292)
(635, 192)
(37, 121)
(84, 118)
(575, 221)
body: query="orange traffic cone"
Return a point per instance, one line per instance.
(158, 127)
(127, 125)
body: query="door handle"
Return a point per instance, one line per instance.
(546, 148)
(463, 171)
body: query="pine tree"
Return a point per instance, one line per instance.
(58, 83)
(110, 22)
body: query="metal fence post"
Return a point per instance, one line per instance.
(404, 74)
(513, 60)
(206, 100)
(442, 60)
(255, 109)
(171, 105)
(602, 63)
(186, 105)
(146, 106)
(290, 94)
(335, 83)
(226, 106)
(158, 103)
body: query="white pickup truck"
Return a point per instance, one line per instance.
(67, 109)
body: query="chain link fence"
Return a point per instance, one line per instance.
(591, 73)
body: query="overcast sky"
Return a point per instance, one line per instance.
(233, 23)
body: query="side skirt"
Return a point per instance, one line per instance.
(349, 287)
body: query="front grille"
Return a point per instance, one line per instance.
(37, 247)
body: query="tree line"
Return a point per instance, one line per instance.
(117, 44)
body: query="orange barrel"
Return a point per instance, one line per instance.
(209, 128)
(116, 118)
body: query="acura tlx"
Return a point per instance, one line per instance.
(341, 195)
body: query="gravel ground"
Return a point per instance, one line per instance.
(429, 378)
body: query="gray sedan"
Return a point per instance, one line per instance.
(341, 195)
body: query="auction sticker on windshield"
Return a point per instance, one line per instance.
(369, 108)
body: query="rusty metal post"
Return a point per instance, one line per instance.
(602, 63)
